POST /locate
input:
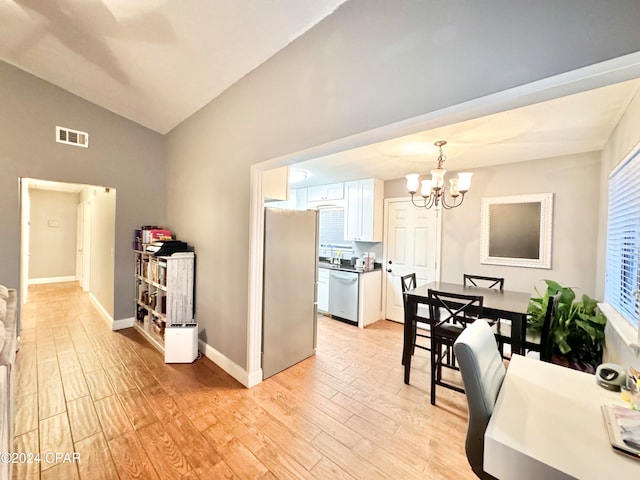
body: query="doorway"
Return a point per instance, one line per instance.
(412, 245)
(76, 218)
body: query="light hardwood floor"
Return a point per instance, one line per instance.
(344, 413)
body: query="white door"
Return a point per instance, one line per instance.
(412, 244)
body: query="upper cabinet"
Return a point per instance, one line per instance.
(334, 191)
(363, 210)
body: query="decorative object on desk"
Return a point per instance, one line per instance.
(611, 376)
(516, 230)
(433, 191)
(578, 330)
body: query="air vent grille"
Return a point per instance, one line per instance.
(72, 137)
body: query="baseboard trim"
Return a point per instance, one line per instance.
(39, 281)
(122, 323)
(254, 378)
(103, 312)
(229, 366)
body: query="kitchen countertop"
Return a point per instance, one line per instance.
(347, 267)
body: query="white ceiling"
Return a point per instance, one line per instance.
(155, 62)
(568, 125)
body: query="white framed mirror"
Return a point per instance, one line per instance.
(516, 230)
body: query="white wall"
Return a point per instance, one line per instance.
(621, 142)
(52, 241)
(574, 182)
(369, 64)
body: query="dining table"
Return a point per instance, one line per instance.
(496, 304)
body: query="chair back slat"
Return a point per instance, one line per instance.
(408, 282)
(483, 281)
(546, 334)
(455, 308)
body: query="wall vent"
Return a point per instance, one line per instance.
(72, 137)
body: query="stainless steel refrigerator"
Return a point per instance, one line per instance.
(289, 309)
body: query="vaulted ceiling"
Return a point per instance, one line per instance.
(156, 62)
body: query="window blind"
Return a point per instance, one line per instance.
(331, 226)
(623, 239)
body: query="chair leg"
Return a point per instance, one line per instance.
(500, 339)
(434, 369)
(415, 337)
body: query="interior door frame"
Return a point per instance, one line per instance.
(385, 246)
(597, 75)
(85, 232)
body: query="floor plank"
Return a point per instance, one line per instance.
(112, 417)
(130, 458)
(344, 413)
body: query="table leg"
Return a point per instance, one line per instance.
(410, 312)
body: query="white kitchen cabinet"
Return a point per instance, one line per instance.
(363, 210)
(334, 191)
(370, 298)
(323, 290)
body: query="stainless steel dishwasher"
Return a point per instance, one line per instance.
(343, 295)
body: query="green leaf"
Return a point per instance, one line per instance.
(578, 329)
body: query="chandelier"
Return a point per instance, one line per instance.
(433, 191)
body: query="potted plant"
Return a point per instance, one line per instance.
(578, 328)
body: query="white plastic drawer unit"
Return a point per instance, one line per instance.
(343, 295)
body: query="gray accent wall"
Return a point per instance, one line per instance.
(575, 184)
(371, 63)
(121, 155)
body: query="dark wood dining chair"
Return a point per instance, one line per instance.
(469, 280)
(541, 345)
(421, 324)
(501, 326)
(450, 314)
(482, 372)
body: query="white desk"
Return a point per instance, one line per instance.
(547, 424)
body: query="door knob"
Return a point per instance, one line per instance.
(389, 270)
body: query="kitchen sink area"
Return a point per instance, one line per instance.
(350, 234)
(349, 293)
